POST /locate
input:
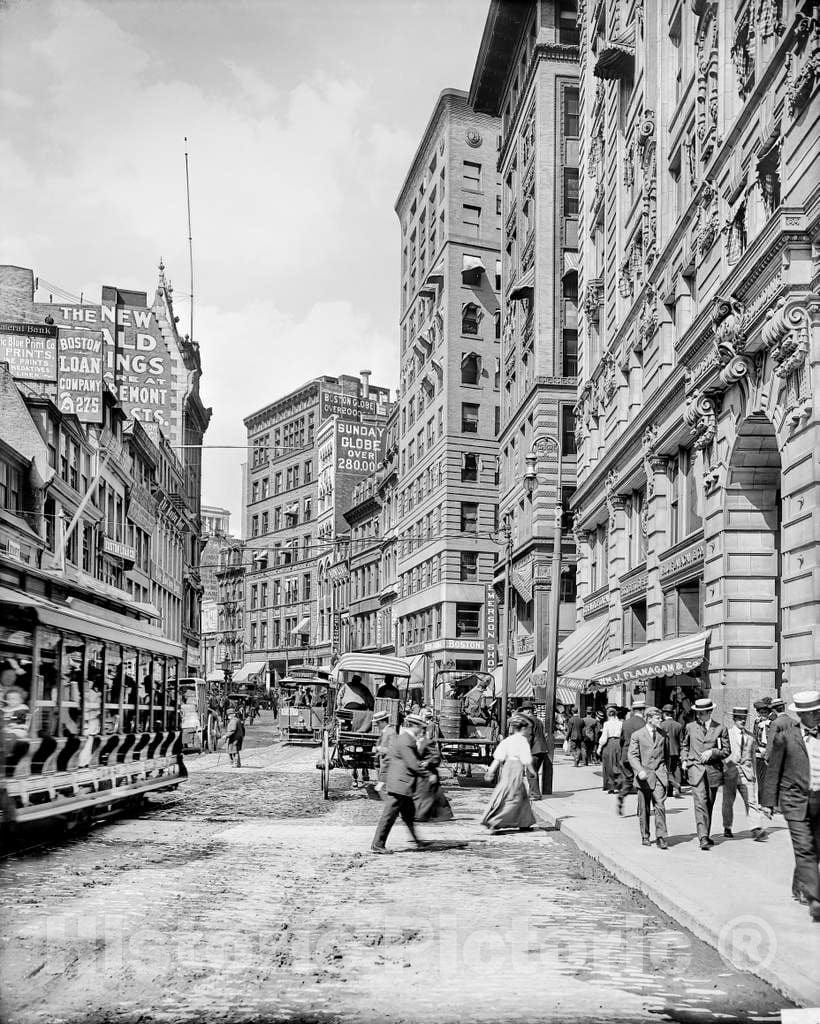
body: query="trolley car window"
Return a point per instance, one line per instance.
(92, 708)
(15, 681)
(45, 712)
(171, 694)
(144, 691)
(113, 689)
(158, 695)
(129, 694)
(71, 685)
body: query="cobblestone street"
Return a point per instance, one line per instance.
(245, 897)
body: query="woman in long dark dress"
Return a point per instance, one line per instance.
(429, 799)
(510, 804)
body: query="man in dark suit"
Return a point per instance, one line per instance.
(633, 723)
(538, 747)
(793, 782)
(591, 733)
(779, 721)
(575, 735)
(649, 758)
(401, 778)
(704, 748)
(673, 730)
(760, 731)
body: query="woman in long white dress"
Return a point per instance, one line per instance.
(510, 803)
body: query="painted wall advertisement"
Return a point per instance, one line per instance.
(137, 362)
(30, 350)
(358, 447)
(80, 358)
(350, 406)
(491, 627)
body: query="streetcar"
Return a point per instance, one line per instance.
(349, 738)
(89, 709)
(198, 724)
(306, 702)
(459, 742)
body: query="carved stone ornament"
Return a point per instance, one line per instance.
(803, 64)
(707, 218)
(654, 464)
(786, 335)
(608, 381)
(769, 22)
(648, 320)
(700, 416)
(593, 297)
(645, 519)
(728, 324)
(707, 81)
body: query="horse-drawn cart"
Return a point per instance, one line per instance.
(304, 713)
(467, 729)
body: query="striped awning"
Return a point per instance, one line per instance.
(376, 664)
(251, 668)
(521, 686)
(671, 657)
(524, 286)
(582, 647)
(566, 695)
(417, 671)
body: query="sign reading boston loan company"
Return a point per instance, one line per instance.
(30, 350)
(80, 374)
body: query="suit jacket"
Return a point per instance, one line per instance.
(696, 741)
(538, 739)
(575, 728)
(650, 754)
(744, 758)
(591, 730)
(631, 726)
(788, 774)
(674, 731)
(782, 723)
(404, 767)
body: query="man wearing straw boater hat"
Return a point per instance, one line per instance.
(704, 748)
(739, 776)
(793, 782)
(649, 758)
(403, 772)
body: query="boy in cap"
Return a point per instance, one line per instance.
(739, 776)
(704, 748)
(793, 782)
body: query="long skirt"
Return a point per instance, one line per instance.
(431, 803)
(611, 761)
(510, 803)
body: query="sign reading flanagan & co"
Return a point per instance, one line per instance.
(30, 350)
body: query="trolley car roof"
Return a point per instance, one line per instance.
(75, 621)
(374, 664)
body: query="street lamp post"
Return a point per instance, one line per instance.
(227, 671)
(506, 531)
(539, 445)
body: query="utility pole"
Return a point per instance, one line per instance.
(505, 684)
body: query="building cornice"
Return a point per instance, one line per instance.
(447, 98)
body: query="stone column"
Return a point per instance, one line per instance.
(617, 540)
(657, 517)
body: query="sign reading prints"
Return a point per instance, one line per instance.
(30, 350)
(137, 363)
(358, 447)
(80, 359)
(350, 406)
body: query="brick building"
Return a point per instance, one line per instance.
(281, 500)
(697, 430)
(526, 74)
(449, 212)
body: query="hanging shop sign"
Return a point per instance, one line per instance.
(30, 350)
(80, 359)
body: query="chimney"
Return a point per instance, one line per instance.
(365, 375)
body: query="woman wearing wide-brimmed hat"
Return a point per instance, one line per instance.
(510, 803)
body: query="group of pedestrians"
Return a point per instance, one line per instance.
(774, 765)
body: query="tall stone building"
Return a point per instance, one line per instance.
(449, 211)
(698, 476)
(284, 548)
(526, 74)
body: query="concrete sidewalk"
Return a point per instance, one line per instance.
(736, 897)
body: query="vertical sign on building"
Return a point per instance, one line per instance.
(490, 627)
(80, 357)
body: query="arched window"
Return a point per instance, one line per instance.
(470, 318)
(470, 368)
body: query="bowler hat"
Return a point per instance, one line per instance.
(739, 712)
(667, 709)
(704, 704)
(778, 704)
(764, 702)
(381, 716)
(807, 700)
(651, 710)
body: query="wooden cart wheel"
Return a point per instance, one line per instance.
(325, 765)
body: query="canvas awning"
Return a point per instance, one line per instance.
(662, 658)
(215, 677)
(521, 686)
(377, 664)
(524, 286)
(302, 628)
(417, 671)
(584, 646)
(251, 668)
(566, 694)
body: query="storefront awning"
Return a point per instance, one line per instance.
(417, 671)
(522, 684)
(662, 658)
(524, 286)
(215, 677)
(302, 628)
(584, 646)
(252, 668)
(566, 695)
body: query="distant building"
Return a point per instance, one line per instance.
(280, 509)
(216, 537)
(450, 217)
(527, 75)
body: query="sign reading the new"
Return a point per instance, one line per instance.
(80, 358)
(30, 350)
(137, 363)
(349, 406)
(358, 446)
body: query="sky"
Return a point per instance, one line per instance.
(302, 117)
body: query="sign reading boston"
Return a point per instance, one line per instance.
(30, 350)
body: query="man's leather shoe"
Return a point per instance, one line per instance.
(799, 897)
(814, 910)
(710, 841)
(645, 842)
(379, 849)
(423, 844)
(662, 845)
(728, 833)
(705, 844)
(760, 835)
